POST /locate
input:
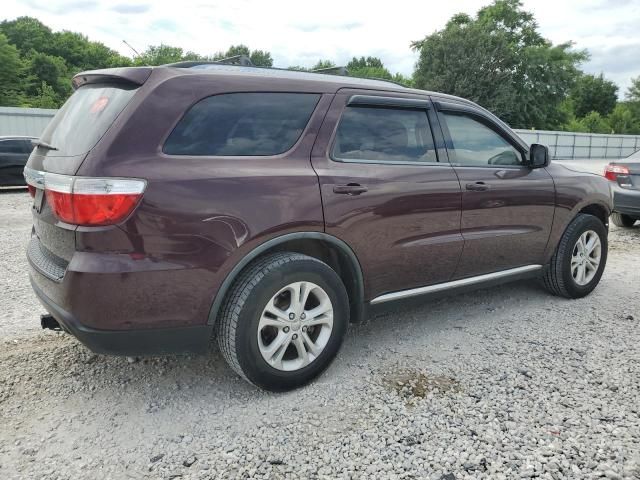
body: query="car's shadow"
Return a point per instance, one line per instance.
(184, 378)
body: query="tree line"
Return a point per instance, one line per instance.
(497, 58)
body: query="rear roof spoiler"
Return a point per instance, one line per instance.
(126, 75)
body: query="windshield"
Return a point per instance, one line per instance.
(85, 118)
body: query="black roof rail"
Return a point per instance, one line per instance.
(245, 61)
(242, 60)
(333, 70)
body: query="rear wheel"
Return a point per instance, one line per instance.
(578, 263)
(622, 220)
(283, 321)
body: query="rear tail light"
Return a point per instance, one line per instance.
(90, 201)
(612, 171)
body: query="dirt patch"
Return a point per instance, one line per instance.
(412, 384)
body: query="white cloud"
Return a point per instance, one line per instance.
(298, 33)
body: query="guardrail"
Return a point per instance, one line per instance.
(573, 145)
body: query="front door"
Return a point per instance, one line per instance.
(387, 192)
(507, 207)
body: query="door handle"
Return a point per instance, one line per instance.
(477, 186)
(349, 189)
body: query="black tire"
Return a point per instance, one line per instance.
(622, 220)
(237, 326)
(557, 277)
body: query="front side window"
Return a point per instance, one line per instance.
(389, 135)
(475, 144)
(242, 124)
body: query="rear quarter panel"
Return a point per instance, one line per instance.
(574, 191)
(199, 215)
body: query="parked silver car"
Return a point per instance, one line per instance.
(625, 184)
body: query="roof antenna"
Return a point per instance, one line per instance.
(134, 50)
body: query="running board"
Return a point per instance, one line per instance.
(464, 282)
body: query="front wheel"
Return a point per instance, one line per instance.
(283, 321)
(578, 263)
(622, 220)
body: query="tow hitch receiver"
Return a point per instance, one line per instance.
(48, 322)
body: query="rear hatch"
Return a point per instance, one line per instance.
(633, 180)
(625, 172)
(58, 154)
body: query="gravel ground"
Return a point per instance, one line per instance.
(502, 383)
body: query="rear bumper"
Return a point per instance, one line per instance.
(626, 201)
(151, 341)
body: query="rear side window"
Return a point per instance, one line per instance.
(242, 124)
(85, 118)
(388, 135)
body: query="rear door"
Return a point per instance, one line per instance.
(386, 192)
(507, 207)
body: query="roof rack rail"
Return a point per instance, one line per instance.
(242, 60)
(245, 61)
(333, 70)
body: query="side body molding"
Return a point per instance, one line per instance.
(356, 303)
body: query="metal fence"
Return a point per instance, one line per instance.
(24, 121)
(570, 145)
(562, 145)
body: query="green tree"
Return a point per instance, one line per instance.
(362, 62)
(160, 55)
(10, 73)
(80, 53)
(499, 60)
(369, 67)
(633, 92)
(622, 120)
(320, 64)
(260, 58)
(45, 98)
(594, 93)
(48, 69)
(27, 34)
(593, 122)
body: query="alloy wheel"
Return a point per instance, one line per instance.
(295, 326)
(585, 258)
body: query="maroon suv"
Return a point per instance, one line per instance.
(274, 207)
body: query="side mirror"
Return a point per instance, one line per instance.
(538, 156)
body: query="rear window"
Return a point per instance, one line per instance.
(85, 118)
(242, 124)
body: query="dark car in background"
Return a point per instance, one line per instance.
(625, 184)
(14, 152)
(271, 208)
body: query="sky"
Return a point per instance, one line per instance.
(300, 33)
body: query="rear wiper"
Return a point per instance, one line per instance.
(41, 144)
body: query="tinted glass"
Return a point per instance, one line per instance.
(385, 135)
(27, 147)
(11, 146)
(85, 118)
(475, 144)
(242, 124)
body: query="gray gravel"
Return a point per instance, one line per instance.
(502, 383)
